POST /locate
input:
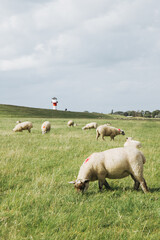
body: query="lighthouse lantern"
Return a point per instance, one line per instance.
(54, 103)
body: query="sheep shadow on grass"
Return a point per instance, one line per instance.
(152, 190)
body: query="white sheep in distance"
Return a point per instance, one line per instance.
(90, 125)
(46, 127)
(70, 123)
(114, 164)
(131, 142)
(23, 126)
(106, 130)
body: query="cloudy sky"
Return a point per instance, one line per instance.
(93, 55)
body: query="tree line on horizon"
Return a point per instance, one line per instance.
(146, 114)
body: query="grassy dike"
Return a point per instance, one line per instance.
(36, 200)
(17, 111)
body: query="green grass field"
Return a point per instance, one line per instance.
(36, 200)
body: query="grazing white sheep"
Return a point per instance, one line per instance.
(131, 142)
(90, 125)
(46, 127)
(23, 126)
(105, 130)
(70, 123)
(114, 164)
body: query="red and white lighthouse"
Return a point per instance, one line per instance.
(54, 102)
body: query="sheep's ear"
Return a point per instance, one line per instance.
(73, 182)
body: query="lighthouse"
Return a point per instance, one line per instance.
(54, 102)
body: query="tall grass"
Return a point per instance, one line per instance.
(38, 203)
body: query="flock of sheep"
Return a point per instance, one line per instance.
(114, 163)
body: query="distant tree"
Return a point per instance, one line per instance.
(155, 113)
(118, 113)
(138, 114)
(126, 114)
(147, 114)
(142, 113)
(129, 113)
(133, 113)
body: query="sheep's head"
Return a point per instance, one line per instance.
(129, 138)
(17, 129)
(131, 142)
(81, 185)
(121, 131)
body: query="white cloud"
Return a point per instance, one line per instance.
(18, 63)
(104, 44)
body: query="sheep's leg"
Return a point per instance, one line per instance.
(136, 183)
(29, 130)
(144, 185)
(100, 184)
(112, 138)
(106, 185)
(137, 172)
(103, 137)
(97, 136)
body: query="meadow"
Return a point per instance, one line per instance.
(37, 202)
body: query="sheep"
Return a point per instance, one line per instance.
(18, 122)
(70, 123)
(114, 163)
(46, 127)
(105, 130)
(131, 142)
(90, 125)
(23, 126)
